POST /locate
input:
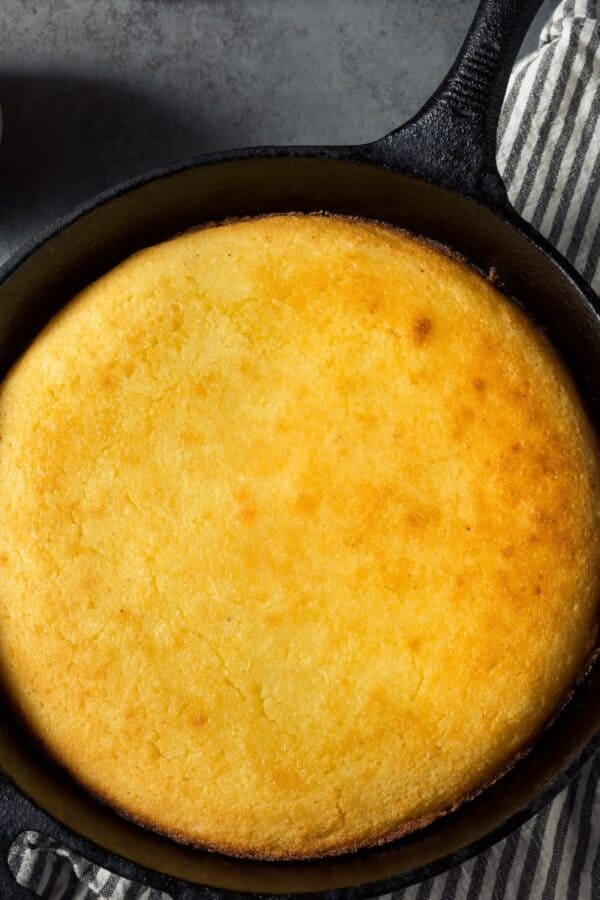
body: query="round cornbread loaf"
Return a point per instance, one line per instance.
(299, 540)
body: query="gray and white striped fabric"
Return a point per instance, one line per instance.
(549, 156)
(549, 136)
(57, 873)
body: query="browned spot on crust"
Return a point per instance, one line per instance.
(463, 419)
(246, 506)
(542, 517)
(108, 382)
(286, 779)
(176, 320)
(201, 387)
(416, 518)
(509, 551)
(199, 720)
(188, 437)
(546, 462)
(369, 419)
(305, 503)
(414, 643)
(479, 384)
(421, 329)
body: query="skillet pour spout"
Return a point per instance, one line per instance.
(436, 176)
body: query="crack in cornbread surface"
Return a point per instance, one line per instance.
(299, 535)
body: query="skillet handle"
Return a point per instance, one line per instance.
(452, 139)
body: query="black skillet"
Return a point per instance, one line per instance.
(437, 176)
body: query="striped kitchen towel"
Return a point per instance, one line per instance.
(549, 136)
(57, 873)
(549, 156)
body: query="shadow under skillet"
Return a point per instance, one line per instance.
(66, 140)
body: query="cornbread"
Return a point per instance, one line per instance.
(299, 535)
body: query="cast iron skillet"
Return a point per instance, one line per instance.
(437, 176)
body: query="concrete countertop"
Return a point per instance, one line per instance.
(96, 91)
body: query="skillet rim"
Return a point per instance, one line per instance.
(365, 155)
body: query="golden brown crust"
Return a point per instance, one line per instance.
(324, 440)
(407, 828)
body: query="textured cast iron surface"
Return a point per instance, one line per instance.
(435, 176)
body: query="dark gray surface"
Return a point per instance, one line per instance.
(96, 91)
